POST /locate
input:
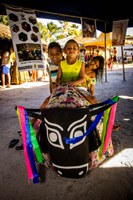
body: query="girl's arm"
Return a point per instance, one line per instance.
(58, 80)
(82, 74)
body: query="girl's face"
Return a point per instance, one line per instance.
(94, 64)
(55, 55)
(71, 49)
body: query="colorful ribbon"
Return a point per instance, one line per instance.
(110, 127)
(35, 144)
(30, 144)
(30, 150)
(21, 116)
(105, 123)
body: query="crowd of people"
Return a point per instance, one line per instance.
(9, 73)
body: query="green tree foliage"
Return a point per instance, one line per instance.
(51, 31)
(45, 36)
(4, 19)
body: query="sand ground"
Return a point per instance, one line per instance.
(110, 181)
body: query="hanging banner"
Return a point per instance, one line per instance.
(88, 28)
(26, 39)
(119, 32)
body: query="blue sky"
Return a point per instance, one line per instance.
(45, 21)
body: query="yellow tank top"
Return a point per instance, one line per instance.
(70, 72)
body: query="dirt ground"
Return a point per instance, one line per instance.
(113, 180)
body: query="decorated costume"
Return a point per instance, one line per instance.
(75, 134)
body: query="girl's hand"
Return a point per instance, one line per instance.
(92, 99)
(57, 83)
(73, 83)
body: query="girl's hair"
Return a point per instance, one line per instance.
(99, 70)
(54, 45)
(71, 40)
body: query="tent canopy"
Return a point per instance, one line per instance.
(83, 40)
(100, 41)
(71, 10)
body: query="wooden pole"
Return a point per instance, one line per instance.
(105, 64)
(124, 79)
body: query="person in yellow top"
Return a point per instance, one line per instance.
(71, 71)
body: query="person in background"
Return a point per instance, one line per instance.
(17, 77)
(125, 57)
(114, 55)
(110, 62)
(83, 56)
(5, 73)
(131, 57)
(0, 64)
(46, 60)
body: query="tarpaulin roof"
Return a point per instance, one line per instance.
(100, 41)
(71, 10)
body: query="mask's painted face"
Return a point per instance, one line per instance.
(69, 160)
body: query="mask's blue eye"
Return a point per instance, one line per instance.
(77, 128)
(76, 131)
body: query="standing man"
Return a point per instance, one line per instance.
(5, 64)
(114, 55)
